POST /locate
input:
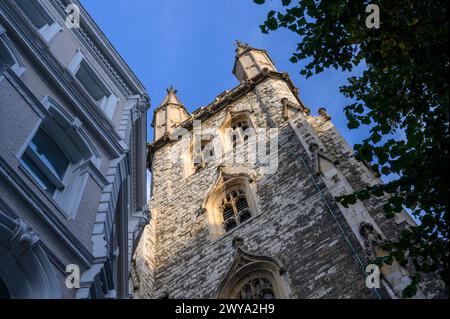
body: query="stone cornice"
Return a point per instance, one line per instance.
(221, 101)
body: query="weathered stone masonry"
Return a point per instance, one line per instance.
(298, 224)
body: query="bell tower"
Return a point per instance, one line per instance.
(231, 228)
(250, 62)
(168, 114)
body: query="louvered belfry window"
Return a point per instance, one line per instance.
(239, 129)
(235, 209)
(259, 288)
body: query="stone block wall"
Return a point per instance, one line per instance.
(294, 225)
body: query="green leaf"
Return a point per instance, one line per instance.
(351, 199)
(385, 170)
(409, 291)
(359, 109)
(376, 138)
(352, 124)
(378, 192)
(272, 23)
(364, 194)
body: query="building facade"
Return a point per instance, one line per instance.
(72, 155)
(229, 224)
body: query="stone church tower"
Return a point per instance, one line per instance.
(266, 226)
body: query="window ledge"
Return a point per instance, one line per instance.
(48, 32)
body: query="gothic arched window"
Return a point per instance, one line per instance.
(253, 276)
(240, 128)
(234, 208)
(237, 130)
(198, 153)
(230, 202)
(258, 288)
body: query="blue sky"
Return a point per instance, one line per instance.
(191, 43)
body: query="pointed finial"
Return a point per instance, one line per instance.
(171, 89)
(241, 46)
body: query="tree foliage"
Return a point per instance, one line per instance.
(403, 89)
